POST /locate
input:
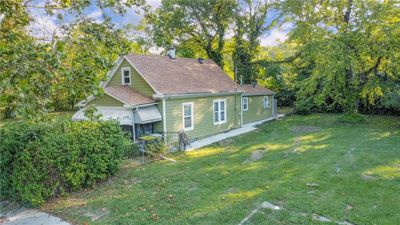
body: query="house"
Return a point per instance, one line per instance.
(150, 94)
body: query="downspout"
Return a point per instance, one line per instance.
(241, 109)
(236, 107)
(133, 124)
(273, 106)
(164, 122)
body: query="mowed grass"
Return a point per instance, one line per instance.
(310, 165)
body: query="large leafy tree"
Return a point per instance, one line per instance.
(88, 52)
(250, 24)
(192, 24)
(26, 67)
(348, 52)
(34, 75)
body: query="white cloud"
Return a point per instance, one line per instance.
(43, 26)
(277, 35)
(97, 15)
(154, 3)
(134, 15)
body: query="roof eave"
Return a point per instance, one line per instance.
(199, 94)
(257, 94)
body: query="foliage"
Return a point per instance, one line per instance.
(352, 118)
(89, 50)
(26, 66)
(153, 145)
(40, 161)
(249, 26)
(278, 76)
(38, 76)
(90, 113)
(201, 24)
(303, 107)
(348, 51)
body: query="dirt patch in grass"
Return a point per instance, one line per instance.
(305, 129)
(256, 155)
(232, 190)
(193, 186)
(368, 177)
(132, 181)
(95, 215)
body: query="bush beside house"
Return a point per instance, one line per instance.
(43, 160)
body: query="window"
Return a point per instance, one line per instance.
(126, 75)
(187, 111)
(266, 102)
(219, 111)
(245, 103)
(143, 129)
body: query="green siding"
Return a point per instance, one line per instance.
(256, 109)
(138, 83)
(203, 116)
(106, 100)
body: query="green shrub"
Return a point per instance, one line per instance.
(351, 118)
(42, 160)
(153, 146)
(303, 107)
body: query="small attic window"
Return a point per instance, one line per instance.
(126, 76)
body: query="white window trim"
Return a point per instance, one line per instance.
(123, 69)
(191, 116)
(266, 106)
(247, 103)
(219, 110)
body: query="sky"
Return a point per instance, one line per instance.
(44, 26)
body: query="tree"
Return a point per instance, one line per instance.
(349, 48)
(26, 67)
(32, 72)
(249, 26)
(201, 23)
(88, 52)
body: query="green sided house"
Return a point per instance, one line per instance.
(164, 95)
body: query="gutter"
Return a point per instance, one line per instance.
(133, 124)
(128, 106)
(190, 95)
(258, 94)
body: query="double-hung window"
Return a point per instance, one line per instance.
(266, 102)
(219, 111)
(187, 112)
(126, 76)
(245, 103)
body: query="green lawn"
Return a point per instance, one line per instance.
(311, 164)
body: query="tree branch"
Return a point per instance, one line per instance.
(286, 60)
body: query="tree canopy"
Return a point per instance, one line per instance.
(348, 52)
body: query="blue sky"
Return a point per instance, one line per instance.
(44, 26)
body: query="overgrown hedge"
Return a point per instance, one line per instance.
(39, 161)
